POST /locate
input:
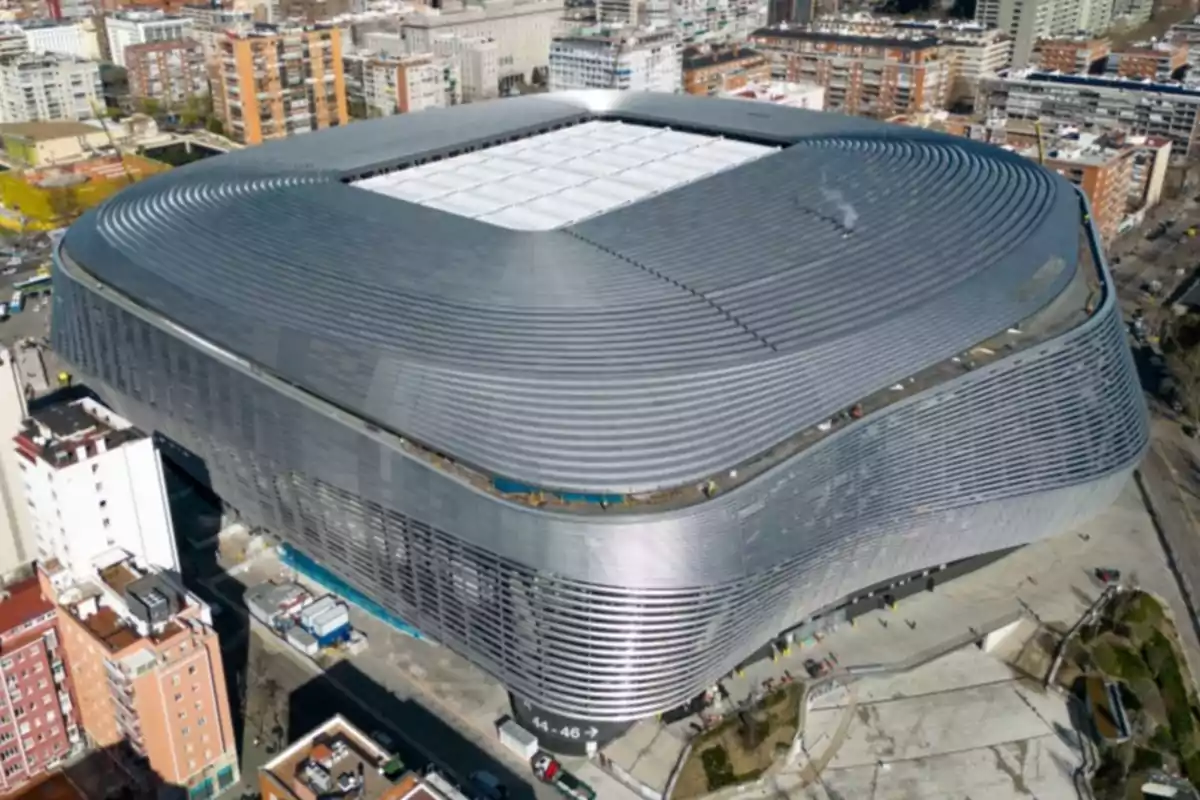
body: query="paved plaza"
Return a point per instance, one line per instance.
(1052, 581)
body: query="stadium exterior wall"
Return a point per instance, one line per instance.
(1007, 454)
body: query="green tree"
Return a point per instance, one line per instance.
(150, 107)
(65, 205)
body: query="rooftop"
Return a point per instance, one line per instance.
(337, 759)
(551, 180)
(71, 432)
(47, 131)
(699, 59)
(911, 43)
(24, 602)
(125, 604)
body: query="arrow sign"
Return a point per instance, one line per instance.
(592, 731)
(528, 705)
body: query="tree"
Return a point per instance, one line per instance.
(64, 204)
(214, 126)
(1181, 347)
(150, 107)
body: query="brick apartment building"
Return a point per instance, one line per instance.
(1158, 61)
(169, 73)
(1104, 173)
(148, 671)
(709, 72)
(276, 82)
(874, 76)
(1073, 56)
(38, 726)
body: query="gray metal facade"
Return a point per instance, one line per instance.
(288, 330)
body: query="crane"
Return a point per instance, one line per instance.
(129, 179)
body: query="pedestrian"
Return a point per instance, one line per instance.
(883, 622)
(912, 625)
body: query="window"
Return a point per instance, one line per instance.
(200, 721)
(192, 669)
(178, 696)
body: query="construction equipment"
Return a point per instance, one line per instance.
(99, 112)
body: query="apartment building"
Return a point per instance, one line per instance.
(1189, 34)
(1132, 13)
(382, 85)
(598, 58)
(210, 24)
(1075, 55)
(72, 38)
(1028, 21)
(93, 482)
(521, 29)
(1149, 61)
(1103, 172)
(38, 721)
(147, 670)
(477, 61)
(338, 760)
(715, 22)
(168, 73)
(282, 81)
(876, 76)
(710, 71)
(127, 28)
(13, 41)
(970, 53)
(49, 86)
(1151, 158)
(18, 543)
(1099, 103)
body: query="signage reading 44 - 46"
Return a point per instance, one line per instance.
(566, 731)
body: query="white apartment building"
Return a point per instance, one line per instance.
(18, 545)
(645, 61)
(521, 30)
(1097, 103)
(93, 483)
(1026, 21)
(12, 41)
(389, 44)
(48, 87)
(67, 38)
(706, 21)
(478, 64)
(383, 85)
(1188, 32)
(139, 27)
(210, 24)
(973, 54)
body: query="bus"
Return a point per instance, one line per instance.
(35, 285)
(17, 302)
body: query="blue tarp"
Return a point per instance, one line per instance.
(509, 486)
(314, 571)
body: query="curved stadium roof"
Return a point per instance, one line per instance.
(647, 347)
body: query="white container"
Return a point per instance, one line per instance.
(518, 740)
(310, 612)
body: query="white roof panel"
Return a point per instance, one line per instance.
(564, 176)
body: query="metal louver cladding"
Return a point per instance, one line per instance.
(607, 461)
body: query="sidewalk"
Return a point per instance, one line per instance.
(463, 696)
(1052, 581)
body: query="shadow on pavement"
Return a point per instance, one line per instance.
(420, 738)
(440, 745)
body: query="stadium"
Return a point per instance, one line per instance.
(604, 391)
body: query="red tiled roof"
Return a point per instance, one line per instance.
(24, 602)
